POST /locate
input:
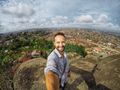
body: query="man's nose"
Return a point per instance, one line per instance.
(61, 44)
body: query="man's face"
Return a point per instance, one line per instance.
(59, 43)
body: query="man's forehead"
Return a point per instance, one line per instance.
(59, 36)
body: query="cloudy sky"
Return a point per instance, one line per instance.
(20, 14)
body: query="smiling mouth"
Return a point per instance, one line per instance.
(61, 47)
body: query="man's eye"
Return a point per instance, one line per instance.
(58, 42)
(63, 42)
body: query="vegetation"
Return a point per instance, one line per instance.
(13, 45)
(11, 49)
(75, 48)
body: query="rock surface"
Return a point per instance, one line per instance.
(105, 76)
(30, 76)
(108, 73)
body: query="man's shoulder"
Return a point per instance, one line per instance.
(52, 55)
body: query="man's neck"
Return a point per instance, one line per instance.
(61, 53)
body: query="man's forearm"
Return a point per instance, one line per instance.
(52, 81)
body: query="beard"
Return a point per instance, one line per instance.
(61, 49)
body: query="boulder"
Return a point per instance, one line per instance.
(108, 73)
(30, 76)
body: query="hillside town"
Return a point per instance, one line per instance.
(88, 51)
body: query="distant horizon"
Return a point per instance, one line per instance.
(60, 28)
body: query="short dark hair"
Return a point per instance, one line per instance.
(59, 33)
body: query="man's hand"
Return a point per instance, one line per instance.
(52, 81)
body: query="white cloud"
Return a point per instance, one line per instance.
(107, 26)
(84, 19)
(29, 13)
(20, 10)
(102, 21)
(59, 20)
(111, 25)
(102, 18)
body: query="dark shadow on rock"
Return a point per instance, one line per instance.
(101, 87)
(74, 85)
(28, 75)
(89, 79)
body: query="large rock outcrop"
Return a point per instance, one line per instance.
(104, 76)
(30, 76)
(108, 73)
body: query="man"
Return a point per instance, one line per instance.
(57, 67)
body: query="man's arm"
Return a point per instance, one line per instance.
(52, 81)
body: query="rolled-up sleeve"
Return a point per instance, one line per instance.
(51, 66)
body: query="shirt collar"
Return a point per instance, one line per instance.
(59, 55)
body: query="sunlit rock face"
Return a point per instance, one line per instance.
(30, 75)
(108, 73)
